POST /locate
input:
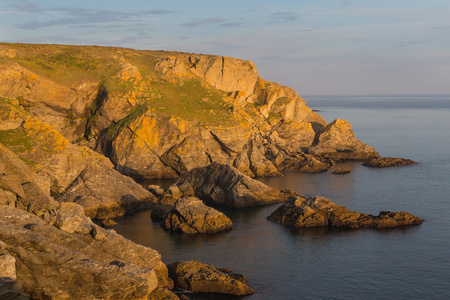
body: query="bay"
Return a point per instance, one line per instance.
(403, 263)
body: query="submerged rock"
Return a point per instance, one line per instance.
(199, 277)
(222, 184)
(383, 162)
(190, 215)
(319, 211)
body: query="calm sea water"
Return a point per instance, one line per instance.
(402, 263)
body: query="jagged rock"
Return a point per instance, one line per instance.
(190, 215)
(222, 184)
(107, 223)
(155, 190)
(63, 229)
(52, 263)
(304, 163)
(18, 187)
(7, 266)
(337, 141)
(319, 211)
(104, 193)
(341, 171)
(383, 162)
(198, 277)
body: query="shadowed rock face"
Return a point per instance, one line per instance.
(198, 277)
(190, 215)
(224, 185)
(318, 211)
(337, 141)
(384, 162)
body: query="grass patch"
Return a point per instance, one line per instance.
(193, 101)
(16, 140)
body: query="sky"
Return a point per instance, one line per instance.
(320, 47)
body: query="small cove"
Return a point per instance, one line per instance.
(402, 263)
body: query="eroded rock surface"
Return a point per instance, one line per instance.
(224, 185)
(319, 211)
(384, 162)
(57, 248)
(190, 215)
(338, 142)
(199, 277)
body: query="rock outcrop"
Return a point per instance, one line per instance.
(224, 185)
(319, 211)
(159, 114)
(57, 249)
(383, 162)
(66, 171)
(198, 277)
(337, 141)
(190, 215)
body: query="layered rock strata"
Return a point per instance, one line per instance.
(319, 211)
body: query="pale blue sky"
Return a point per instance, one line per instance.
(315, 47)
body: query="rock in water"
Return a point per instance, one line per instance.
(190, 215)
(337, 141)
(224, 185)
(319, 211)
(198, 277)
(384, 162)
(341, 171)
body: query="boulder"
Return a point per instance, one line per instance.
(190, 215)
(104, 193)
(383, 162)
(319, 211)
(224, 185)
(199, 277)
(7, 266)
(337, 141)
(52, 263)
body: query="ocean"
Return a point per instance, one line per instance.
(401, 263)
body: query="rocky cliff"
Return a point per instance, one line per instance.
(157, 114)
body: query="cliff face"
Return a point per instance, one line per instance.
(157, 114)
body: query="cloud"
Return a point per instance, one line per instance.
(347, 3)
(205, 22)
(285, 16)
(80, 16)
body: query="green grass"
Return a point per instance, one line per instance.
(193, 101)
(189, 99)
(16, 140)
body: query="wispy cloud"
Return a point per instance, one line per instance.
(285, 16)
(203, 22)
(80, 16)
(347, 3)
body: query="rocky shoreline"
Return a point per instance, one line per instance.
(72, 146)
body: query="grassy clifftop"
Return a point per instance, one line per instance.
(125, 73)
